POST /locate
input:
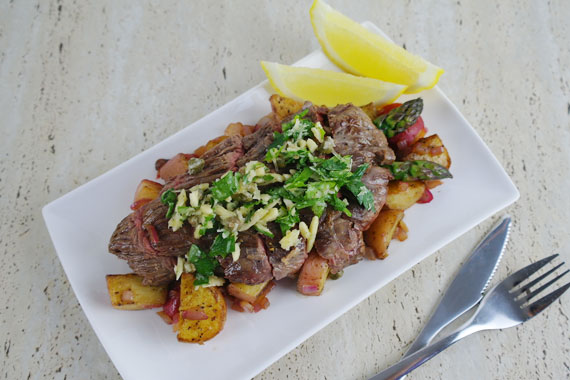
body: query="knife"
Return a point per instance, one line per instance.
(467, 288)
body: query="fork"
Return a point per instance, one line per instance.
(506, 305)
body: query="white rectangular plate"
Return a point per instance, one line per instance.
(142, 346)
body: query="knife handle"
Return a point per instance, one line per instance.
(437, 322)
(413, 361)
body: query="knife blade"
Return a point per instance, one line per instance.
(468, 286)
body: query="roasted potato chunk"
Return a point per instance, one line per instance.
(209, 145)
(246, 292)
(202, 311)
(429, 148)
(128, 293)
(313, 275)
(174, 167)
(283, 106)
(238, 129)
(371, 110)
(402, 195)
(147, 190)
(381, 232)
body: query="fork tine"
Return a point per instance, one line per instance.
(545, 301)
(528, 286)
(522, 274)
(539, 290)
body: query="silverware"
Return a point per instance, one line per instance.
(467, 288)
(506, 305)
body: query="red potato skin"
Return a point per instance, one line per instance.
(426, 197)
(313, 275)
(388, 108)
(403, 141)
(175, 166)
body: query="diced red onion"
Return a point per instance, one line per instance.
(194, 315)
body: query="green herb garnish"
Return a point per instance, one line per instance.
(287, 221)
(169, 198)
(224, 187)
(223, 246)
(204, 264)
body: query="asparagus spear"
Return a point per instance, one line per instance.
(400, 118)
(419, 170)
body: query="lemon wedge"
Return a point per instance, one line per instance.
(329, 88)
(361, 52)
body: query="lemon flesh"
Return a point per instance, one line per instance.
(361, 52)
(329, 88)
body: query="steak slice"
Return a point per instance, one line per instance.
(376, 180)
(256, 144)
(339, 242)
(217, 161)
(284, 263)
(145, 231)
(155, 270)
(354, 134)
(317, 114)
(253, 266)
(144, 240)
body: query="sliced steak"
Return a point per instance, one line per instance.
(256, 144)
(285, 263)
(145, 231)
(339, 242)
(314, 113)
(354, 134)
(144, 236)
(217, 161)
(155, 270)
(253, 266)
(317, 113)
(376, 180)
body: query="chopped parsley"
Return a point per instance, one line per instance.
(223, 246)
(204, 264)
(169, 198)
(225, 186)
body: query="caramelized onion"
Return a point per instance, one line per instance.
(152, 233)
(194, 315)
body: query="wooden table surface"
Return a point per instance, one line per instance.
(86, 85)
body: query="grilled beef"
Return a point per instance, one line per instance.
(256, 144)
(338, 241)
(155, 270)
(354, 134)
(144, 240)
(217, 161)
(252, 267)
(143, 237)
(317, 114)
(284, 263)
(376, 180)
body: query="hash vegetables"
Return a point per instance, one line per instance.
(283, 197)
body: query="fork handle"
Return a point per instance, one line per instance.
(409, 363)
